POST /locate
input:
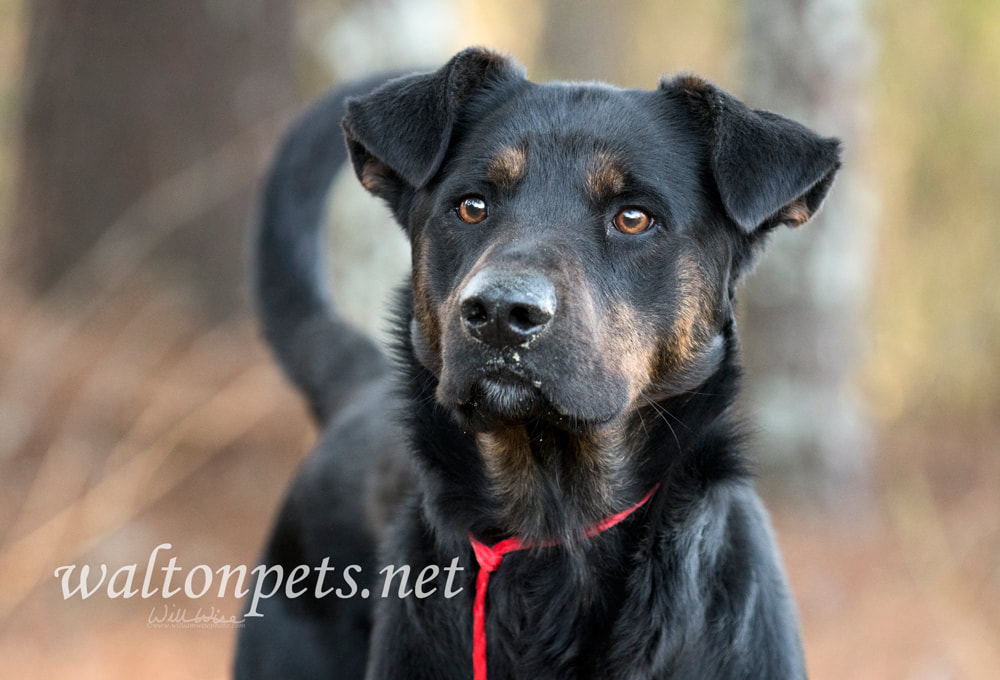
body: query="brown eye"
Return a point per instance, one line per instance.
(472, 210)
(633, 221)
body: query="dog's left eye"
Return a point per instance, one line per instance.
(633, 221)
(472, 209)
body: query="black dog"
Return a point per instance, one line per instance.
(566, 352)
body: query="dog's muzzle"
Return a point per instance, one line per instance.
(513, 351)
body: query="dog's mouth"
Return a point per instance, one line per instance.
(505, 397)
(501, 399)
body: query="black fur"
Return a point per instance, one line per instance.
(630, 383)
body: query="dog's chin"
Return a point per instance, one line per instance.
(495, 402)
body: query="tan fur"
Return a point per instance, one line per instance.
(795, 214)
(507, 167)
(692, 349)
(377, 178)
(624, 344)
(596, 460)
(606, 176)
(690, 293)
(516, 477)
(508, 459)
(691, 85)
(423, 306)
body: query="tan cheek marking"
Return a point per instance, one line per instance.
(689, 294)
(606, 176)
(693, 325)
(423, 307)
(507, 167)
(624, 344)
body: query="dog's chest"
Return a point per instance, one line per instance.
(547, 621)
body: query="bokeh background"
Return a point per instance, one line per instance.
(138, 406)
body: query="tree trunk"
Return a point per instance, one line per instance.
(809, 59)
(119, 98)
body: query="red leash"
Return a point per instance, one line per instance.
(489, 559)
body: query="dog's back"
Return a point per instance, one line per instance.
(336, 507)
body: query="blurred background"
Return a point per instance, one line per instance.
(138, 407)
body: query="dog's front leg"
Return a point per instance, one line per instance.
(423, 608)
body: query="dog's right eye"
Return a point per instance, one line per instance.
(633, 221)
(472, 209)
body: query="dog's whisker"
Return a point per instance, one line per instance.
(657, 410)
(642, 421)
(660, 408)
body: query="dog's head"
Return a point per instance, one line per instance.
(575, 245)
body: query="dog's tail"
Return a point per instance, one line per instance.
(319, 351)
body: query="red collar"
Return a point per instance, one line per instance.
(489, 559)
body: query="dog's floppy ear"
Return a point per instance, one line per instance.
(769, 170)
(398, 134)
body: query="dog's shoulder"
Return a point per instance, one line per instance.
(728, 614)
(355, 476)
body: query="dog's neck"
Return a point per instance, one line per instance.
(549, 482)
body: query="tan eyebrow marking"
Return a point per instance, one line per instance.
(606, 176)
(507, 167)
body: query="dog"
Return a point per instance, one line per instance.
(556, 421)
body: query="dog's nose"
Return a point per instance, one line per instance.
(504, 309)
